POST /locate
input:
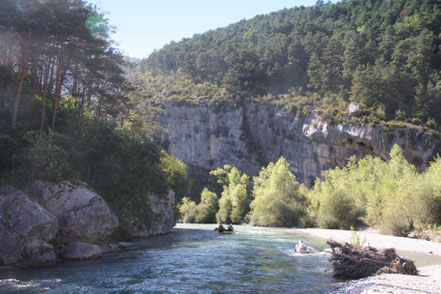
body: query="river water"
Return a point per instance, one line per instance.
(190, 259)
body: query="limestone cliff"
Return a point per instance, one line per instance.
(250, 135)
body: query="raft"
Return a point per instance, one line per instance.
(226, 232)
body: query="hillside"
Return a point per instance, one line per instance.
(383, 55)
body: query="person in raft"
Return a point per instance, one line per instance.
(230, 227)
(221, 228)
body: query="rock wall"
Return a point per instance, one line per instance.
(250, 135)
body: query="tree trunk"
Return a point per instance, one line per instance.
(4, 58)
(21, 78)
(34, 75)
(49, 70)
(59, 85)
(98, 111)
(82, 102)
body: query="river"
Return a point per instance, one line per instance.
(190, 259)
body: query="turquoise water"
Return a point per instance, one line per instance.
(190, 259)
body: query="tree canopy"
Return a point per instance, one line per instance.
(382, 54)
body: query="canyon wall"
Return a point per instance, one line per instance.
(250, 135)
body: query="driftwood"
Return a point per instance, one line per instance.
(351, 262)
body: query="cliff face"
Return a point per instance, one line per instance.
(249, 136)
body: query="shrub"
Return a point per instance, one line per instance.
(176, 173)
(338, 210)
(277, 201)
(235, 199)
(187, 209)
(41, 158)
(206, 210)
(391, 196)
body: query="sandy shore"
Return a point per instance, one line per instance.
(429, 280)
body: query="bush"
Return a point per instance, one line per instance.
(46, 158)
(11, 145)
(277, 200)
(390, 196)
(187, 209)
(235, 200)
(206, 210)
(176, 173)
(122, 166)
(338, 211)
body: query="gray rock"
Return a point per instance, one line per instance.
(162, 207)
(304, 248)
(11, 246)
(354, 108)
(163, 216)
(39, 253)
(81, 251)
(22, 223)
(83, 215)
(250, 135)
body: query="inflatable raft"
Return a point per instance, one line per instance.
(226, 232)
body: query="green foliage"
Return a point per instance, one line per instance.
(235, 199)
(176, 173)
(121, 166)
(355, 239)
(277, 200)
(46, 158)
(10, 144)
(187, 209)
(391, 196)
(207, 208)
(373, 52)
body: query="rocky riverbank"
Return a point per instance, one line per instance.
(65, 221)
(428, 280)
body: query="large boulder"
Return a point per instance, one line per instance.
(83, 215)
(23, 222)
(39, 253)
(81, 251)
(163, 216)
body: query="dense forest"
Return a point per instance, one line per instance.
(66, 110)
(382, 54)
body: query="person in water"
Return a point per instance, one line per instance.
(221, 228)
(230, 227)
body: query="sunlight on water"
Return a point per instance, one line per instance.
(191, 259)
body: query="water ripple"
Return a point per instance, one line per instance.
(191, 259)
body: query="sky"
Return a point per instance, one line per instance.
(145, 25)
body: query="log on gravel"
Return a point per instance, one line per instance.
(350, 262)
